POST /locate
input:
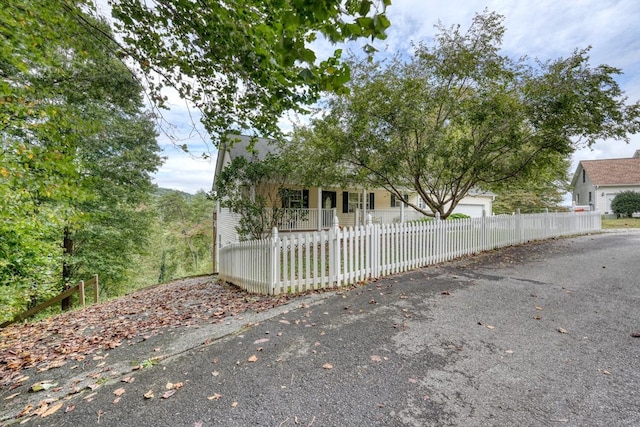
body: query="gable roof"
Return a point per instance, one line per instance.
(238, 146)
(613, 171)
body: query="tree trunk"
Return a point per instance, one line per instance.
(67, 245)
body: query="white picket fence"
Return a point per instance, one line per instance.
(338, 257)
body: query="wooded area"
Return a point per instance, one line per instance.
(78, 150)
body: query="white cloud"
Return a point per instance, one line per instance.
(185, 172)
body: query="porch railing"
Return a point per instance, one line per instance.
(388, 216)
(294, 219)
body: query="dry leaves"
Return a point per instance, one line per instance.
(562, 331)
(42, 385)
(327, 366)
(252, 359)
(215, 396)
(107, 325)
(52, 410)
(168, 394)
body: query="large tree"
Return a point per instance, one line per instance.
(76, 150)
(459, 115)
(243, 62)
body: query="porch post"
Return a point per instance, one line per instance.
(364, 205)
(320, 201)
(402, 212)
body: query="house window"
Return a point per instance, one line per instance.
(395, 200)
(577, 199)
(353, 201)
(294, 199)
(421, 203)
(589, 196)
(584, 176)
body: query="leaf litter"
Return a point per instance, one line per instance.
(79, 335)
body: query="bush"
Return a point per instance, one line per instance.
(458, 216)
(626, 203)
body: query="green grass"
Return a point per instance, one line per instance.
(621, 223)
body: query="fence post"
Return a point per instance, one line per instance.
(274, 257)
(368, 236)
(81, 292)
(519, 231)
(547, 224)
(96, 288)
(483, 231)
(334, 253)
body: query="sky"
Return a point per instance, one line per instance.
(545, 29)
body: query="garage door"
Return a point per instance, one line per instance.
(474, 211)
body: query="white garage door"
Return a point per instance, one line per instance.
(474, 211)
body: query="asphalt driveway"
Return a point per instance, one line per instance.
(536, 335)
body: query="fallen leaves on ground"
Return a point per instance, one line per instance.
(79, 334)
(562, 330)
(42, 385)
(52, 410)
(327, 366)
(168, 394)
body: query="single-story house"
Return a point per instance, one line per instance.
(315, 208)
(596, 182)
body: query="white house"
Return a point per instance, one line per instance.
(315, 207)
(596, 182)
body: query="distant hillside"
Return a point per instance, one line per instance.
(162, 191)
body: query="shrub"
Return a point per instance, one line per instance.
(458, 216)
(626, 203)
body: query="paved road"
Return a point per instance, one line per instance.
(539, 335)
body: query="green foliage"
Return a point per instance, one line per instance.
(543, 188)
(248, 187)
(182, 238)
(458, 216)
(458, 115)
(243, 62)
(626, 203)
(77, 153)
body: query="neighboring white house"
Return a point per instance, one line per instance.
(596, 182)
(350, 204)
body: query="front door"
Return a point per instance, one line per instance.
(609, 199)
(329, 201)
